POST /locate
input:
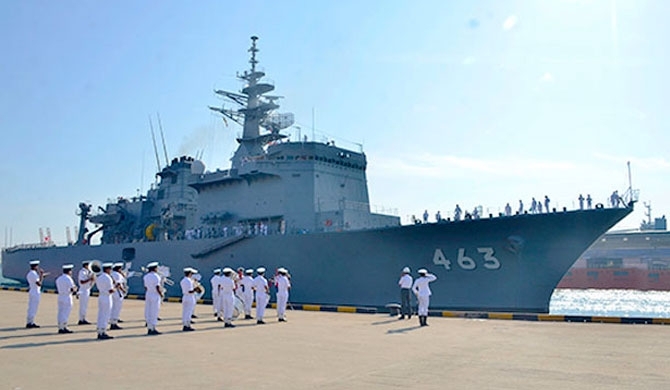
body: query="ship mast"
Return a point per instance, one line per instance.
(255, 112)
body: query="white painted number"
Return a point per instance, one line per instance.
(465, 262)
(439, 259)
(490, 261)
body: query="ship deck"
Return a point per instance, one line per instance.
(327, 351)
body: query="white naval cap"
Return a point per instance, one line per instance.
(34, 262)
(260, 270)
(227, 270)
(118, 265)
(249, 271)
(152, 264)
(422, 271)
(107, 265)
(188, 269)
(406, 270)
(67, 266)
(217, 271)
(195, 271)
(282, 270)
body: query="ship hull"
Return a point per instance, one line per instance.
(499, 264)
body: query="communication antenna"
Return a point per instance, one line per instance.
(160, 126)
(68, 236)
(153, 138)
(41, 235)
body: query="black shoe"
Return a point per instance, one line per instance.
(216, 314)
(402, 317)
(104, 336)
(119, 321)
(248, 317)
(160, 319)
(153, 332)
(115, 327)
(66, 330)
(194, 316)
(219, 319)
(187, 329)
(228, 325)
(83, 322)
(282, 320)
(61, 331)
(32, 325)
(260, 322)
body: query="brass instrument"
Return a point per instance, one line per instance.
(95, 266)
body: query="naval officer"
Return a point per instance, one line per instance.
(152, 297)
(187, 299)
(118, 297)
(422, 292)
(214, 281)
(86, 278)
(405, 284)
(34, 278)
(262, 294)
(227, 293)
(283, 286)
(66, 288)
(247, 286)
(105, 285)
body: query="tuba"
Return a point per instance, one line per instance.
(95, 266)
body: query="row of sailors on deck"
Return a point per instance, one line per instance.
(112, 286)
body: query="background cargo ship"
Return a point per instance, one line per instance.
(305, 206)
(638, 260)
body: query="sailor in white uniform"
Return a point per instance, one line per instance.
(66, 288)
(246, 284)
(152, 297)
(405, 284)
(117, 298)
(34, 278)
(422, 292)
(187, 299)
(227, 292)
(86, 278)
(262, 294)
(214, 281)
(105, 285)
(283, 286)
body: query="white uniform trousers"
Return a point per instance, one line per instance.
(282, 300)
(104, 311)
(228, 302)
(84, 295)
(187, 307)
(423, 304)
(33, 303)
(152, 306)
(220, 304)
(117, 305)
(216, 303)
(248, 301)
(64, 309)
(262, 299)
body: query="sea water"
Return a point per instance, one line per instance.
(611, 303)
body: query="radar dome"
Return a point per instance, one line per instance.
(197, 167)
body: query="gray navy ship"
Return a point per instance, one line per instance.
(304, 206)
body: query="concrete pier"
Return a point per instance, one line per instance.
(326, 351)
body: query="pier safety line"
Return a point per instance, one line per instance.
(432, 313)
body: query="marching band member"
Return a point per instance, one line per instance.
(105, 285)
(187, 299)
(262, 294)
(195, 277)
(66, 288)
(117, 298)
(152, 298)
(34, 278)
(86, 277)
(283, 285)
(247, 293)
(227, 293)
(422, 292)
(214, 281)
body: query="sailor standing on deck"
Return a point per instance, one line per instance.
(34, 278)
(214, 281)
(66, 288)
(105, 285)
(153, 295)
(118, 297)
(187, 299)
(283, 285)
(86, 278)
(246, 285)
(227, 292)
(262, 294)
(422, 292)
(405, 284)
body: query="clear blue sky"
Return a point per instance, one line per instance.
(476, 103)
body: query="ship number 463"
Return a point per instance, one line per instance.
(468, 263)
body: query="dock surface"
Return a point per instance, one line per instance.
(325, 351)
